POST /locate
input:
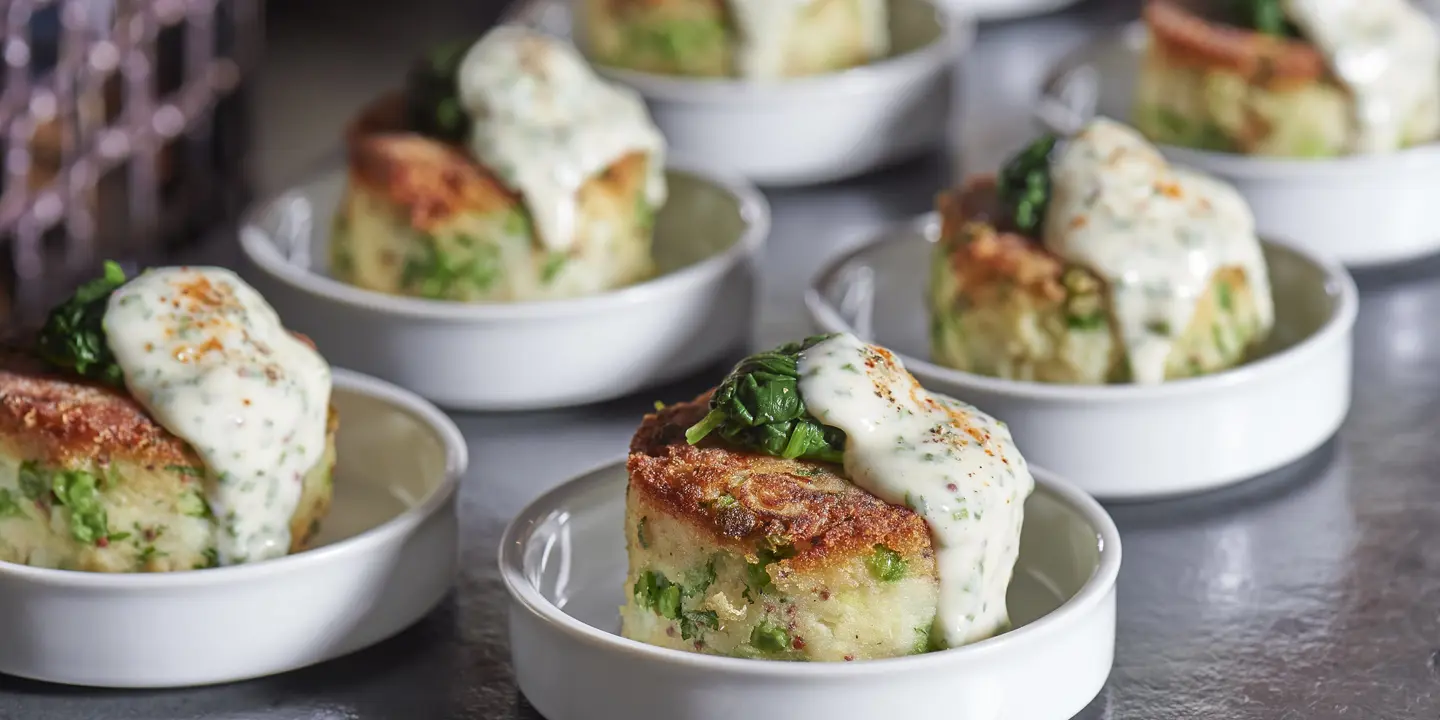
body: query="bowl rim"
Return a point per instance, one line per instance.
(524, 595)
(956, 36)
(360, 545)
(1338, 284)
(1234, 165)
(259, 248)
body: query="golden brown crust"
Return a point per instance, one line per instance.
(804, 504)
(58, 419)
(432, 180)
(1185, 36)
(982, 252)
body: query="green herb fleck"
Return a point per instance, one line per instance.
(209, 559)
(1222, 291)
(517, 223)
(668, 602)
(758, 406)
(922, 639)
(78, 491)
(440, 275)
(189, 471)
(724, 501)
(757, 578)
(1090, 321)
(770, 637)
(1024, 184)
(886, 565)
(1263, 16)
(691, 622)
(9, 507)
(33, 482)
(644, 213)
(73, 337)
(642, 533)
(1158, 327)
(194, 505)
(554, 263)
(700, 579)
(432, 102)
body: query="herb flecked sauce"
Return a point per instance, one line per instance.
(1156, 233)
(955, 466)
(209, 359)
(545, 124)
(1387, 53)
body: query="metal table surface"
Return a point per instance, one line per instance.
(1312, 593)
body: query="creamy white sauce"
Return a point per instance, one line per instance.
(208, 358)
(1387, 53)
(955, 466)
(766, 28)
(1156, 233)
(545, 124)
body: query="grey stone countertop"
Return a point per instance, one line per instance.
(1310, 594)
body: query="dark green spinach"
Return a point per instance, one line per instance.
(1024, 185)
(1263, 16)
(73, 337)
(432, 100)
(758, 407)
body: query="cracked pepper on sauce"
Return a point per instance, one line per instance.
(955, 466)
(209, 359)
(1155, 233)
(546, 124)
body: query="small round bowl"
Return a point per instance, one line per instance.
(821, 128)
(563, 561)
(525, 355)
(385, 556)
(1365, 210)
(1127, 442)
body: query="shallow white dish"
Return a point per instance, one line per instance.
(385, 556)
(809, 130)
(1362, 210)
(528, 355)
(993, 10)
(1127, 441)
(563, 561)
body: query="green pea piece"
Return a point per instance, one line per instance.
(886, 565)
(769, 637)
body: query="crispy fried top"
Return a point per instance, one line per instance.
(1187, 34)
(805, 504)
(983, 250)
(60, 419)
(432, 180)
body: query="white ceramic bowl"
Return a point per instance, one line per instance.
(563, 561)
(1363, 210)
(815, 129)
(385, 557)
(527, 355)
(1127, 441)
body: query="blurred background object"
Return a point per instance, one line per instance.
(123, 125)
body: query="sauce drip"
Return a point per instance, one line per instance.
(545, 124)
(1156, 234)
(955, 466)
(209, 359)
(767, 27)
(1387, 53)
